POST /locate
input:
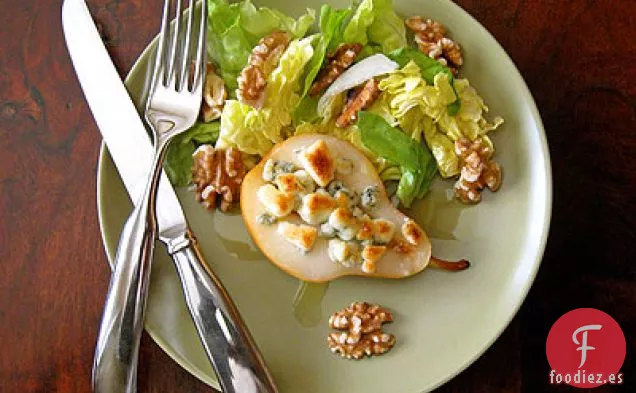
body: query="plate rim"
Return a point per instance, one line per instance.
(538, 257)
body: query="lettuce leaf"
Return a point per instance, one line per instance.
(469, 121)
(375, 24)
(416, 162)
(420, 109)
(428, 69)
(331, 24)
(234, 29)
(369, 50)
(283, 85)
(356, 29)
(406, 89)
(372, 23)
(408, 187)
(350, 134)
(331, 21)
(387, 29)
(306, 111)
(178, 164)
(261, 21)
(255, 131)
(388, 142)
(243, 127)
(333, 107)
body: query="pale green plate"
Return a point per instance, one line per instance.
(443, 321)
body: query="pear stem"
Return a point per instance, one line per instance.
(462, 264)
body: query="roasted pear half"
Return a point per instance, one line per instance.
(323, 235)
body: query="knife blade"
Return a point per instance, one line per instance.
(117, 117)
(229, 345)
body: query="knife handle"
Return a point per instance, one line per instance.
(237, 362)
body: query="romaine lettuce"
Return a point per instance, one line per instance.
(417, 163)
(356, 29)
(331, 22)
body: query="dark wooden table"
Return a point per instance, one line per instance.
(577, 56)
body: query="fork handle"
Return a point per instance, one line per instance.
(117, 350)
(239, 366)
(116, 354)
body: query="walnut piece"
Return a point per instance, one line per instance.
(363, 97)
(261, 62)
(339, 61)
(217, 174)
(361, 325)
(427, 29)
(478, 170)
(214, 95)
(360, 317)
(431, 38)
(375, 343)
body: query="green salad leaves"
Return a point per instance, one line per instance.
(235, 28)
(374, 23)
(408, 132)
(428, 69)
(331, 22)
(421, 110)
(255, 131)
(178, 164)
(417, 163)
(387, 29)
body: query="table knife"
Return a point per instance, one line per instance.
(226, 340)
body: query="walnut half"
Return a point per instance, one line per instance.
(339, 61)
(261, 62)
(478, 171)
(431, 38)
(375, 343)
(217, 175)
(361, 331)
(363, 97)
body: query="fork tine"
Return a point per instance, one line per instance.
(174, 47)
(185, 66)
(162, 46)
(199, 71)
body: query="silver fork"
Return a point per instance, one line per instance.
(172, 107)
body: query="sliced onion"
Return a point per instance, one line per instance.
(359, 73)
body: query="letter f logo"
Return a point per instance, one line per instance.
(584, 347)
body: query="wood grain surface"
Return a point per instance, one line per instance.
(577, 56)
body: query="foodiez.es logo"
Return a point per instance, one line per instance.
(586, 348)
